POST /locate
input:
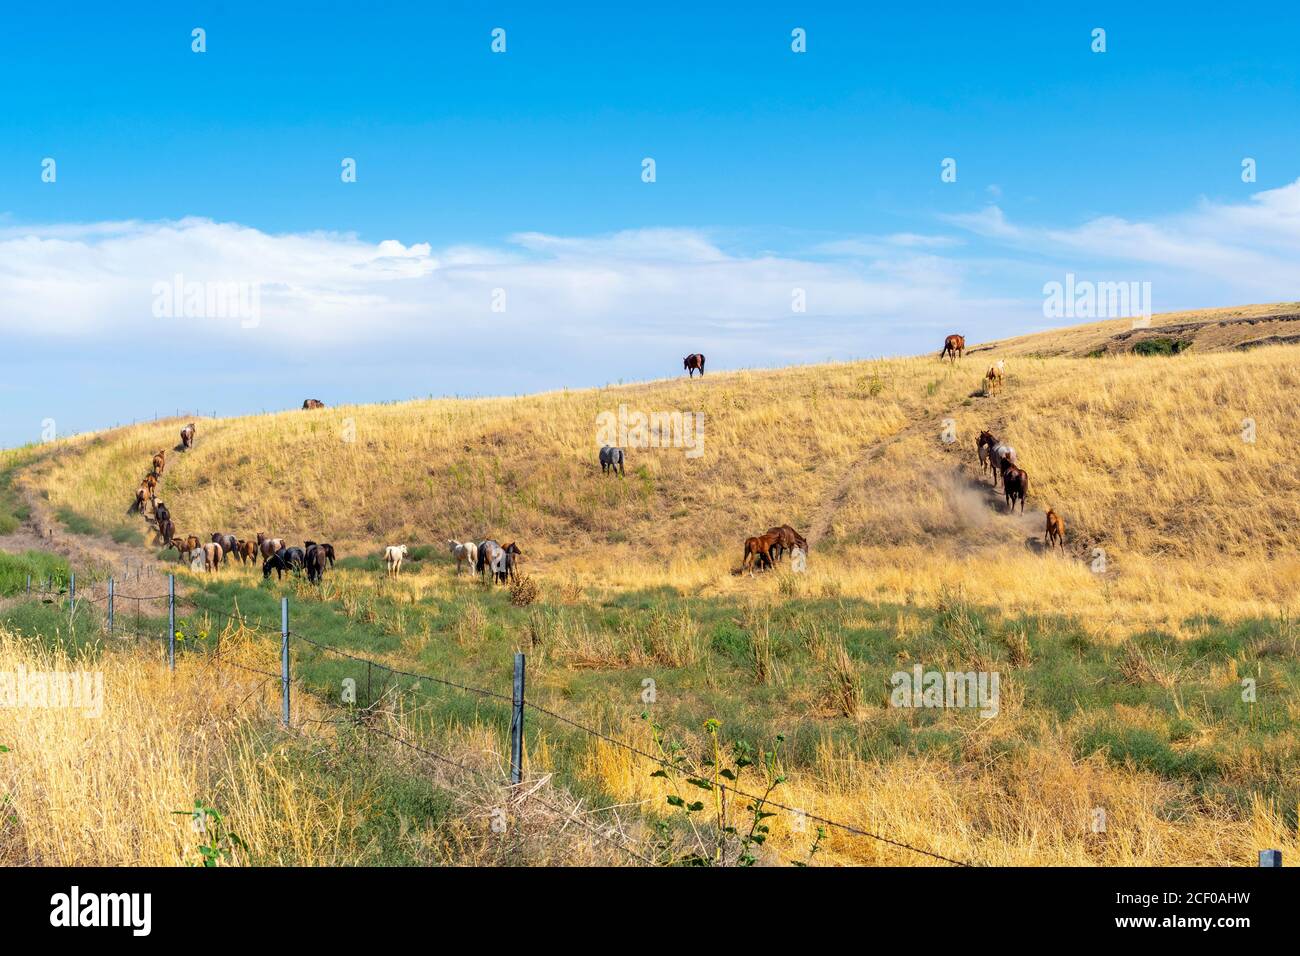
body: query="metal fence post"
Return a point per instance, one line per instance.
(171, 621)
(29, 584)
(110, 607)
(284, 659)
(1270, 857)
(72, 587)
(517, 724)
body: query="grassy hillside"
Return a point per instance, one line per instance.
(1123, 678)
(1144, 457)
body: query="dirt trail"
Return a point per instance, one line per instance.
(966, 483)
(135, 568)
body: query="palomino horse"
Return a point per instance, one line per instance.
(995, 377)
(692, 362)
(953, 346)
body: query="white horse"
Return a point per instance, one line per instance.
(465, 553)
(999, 453)
(393, 554)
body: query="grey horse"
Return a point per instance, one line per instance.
(611, 458)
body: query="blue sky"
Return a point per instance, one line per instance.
(522, 172)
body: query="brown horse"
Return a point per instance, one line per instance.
(953, 346)
(692, 362)
(759, 550)
(246, 551)
(787, 539)
(159, 461)
(313, 403)
(187, 437)
(1055, 531)
(1015, 484)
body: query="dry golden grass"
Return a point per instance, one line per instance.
(82, 789)
(1144, 458)
(1036, 808)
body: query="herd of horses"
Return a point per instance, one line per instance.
(761, 552)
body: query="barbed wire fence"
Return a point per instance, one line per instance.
(103, 593)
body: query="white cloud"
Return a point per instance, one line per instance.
(1244, 251)
(100, 280)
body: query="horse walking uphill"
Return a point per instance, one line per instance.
(692, 362)
(187, 437)
(953, 346)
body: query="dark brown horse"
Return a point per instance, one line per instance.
(187, 437)
(1015, 484)
(313, 403)
(953, 346)
(787, 539)
(693, 362)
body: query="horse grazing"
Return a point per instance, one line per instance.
(465, 553)
(787, 539)
(1015, 484)
(611, 459)
(487, 553)
(994, 378)
(268, 546)
(1055, 530)
(692, 362)
(326, 549)
(228, 543)
(315, 560)
(313, 403)
(187, 437)
(953, 347)
(393, 555)
(213, 555)
(759, 550)
(185, 547)
(503, 564)
(159, 461)
(277, 563)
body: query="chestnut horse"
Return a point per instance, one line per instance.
(692, 362)
(760, 550)
(787, 539)
(1055, 531)
(953, 346)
